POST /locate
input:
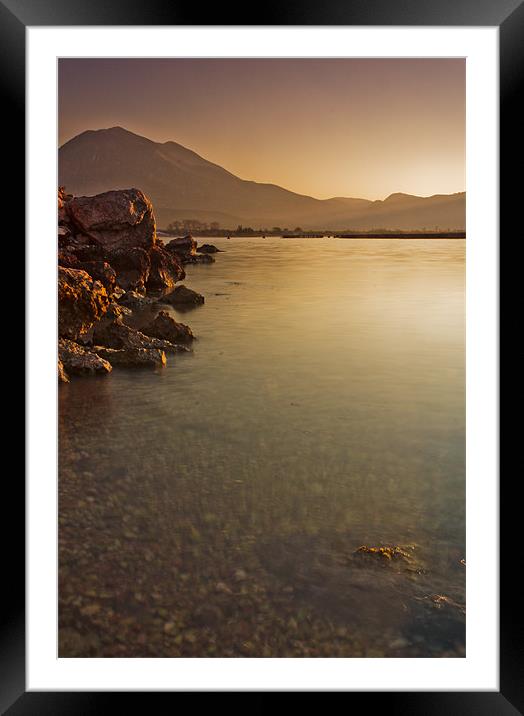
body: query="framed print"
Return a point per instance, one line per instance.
(271, 462)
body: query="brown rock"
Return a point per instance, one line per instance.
(182, 246)
(207, 249)
(132, 357)
(182, 295)
(100, 271)
(198, 259)
(81, 302)
(132, 266)
(115, 219)
(165, 270)
(166, 328)
(115, 334)
(78, 360)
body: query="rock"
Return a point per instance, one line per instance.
(166, 328)
(81, 302)
(62, 375)
(165, 270)
(131, 357)
(98, 270)
(198, 259)
(208, 249)
(68, 259)
(83, 248)
(182, 295)
(63, 200)
(101, 271)
(131, 265)
(78, 360)
(135, 301)
(115, 219)
(182, 246)
(115, 334)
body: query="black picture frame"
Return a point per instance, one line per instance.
(15, 16)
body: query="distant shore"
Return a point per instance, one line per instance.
(223, 233)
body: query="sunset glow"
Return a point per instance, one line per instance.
(322, 127)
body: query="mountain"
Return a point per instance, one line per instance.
(184, 185)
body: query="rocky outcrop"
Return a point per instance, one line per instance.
(77, 360)
(166, 328)
(115, 219)
(181, 295)
(108, 259)
(165, 270)
(82, 301)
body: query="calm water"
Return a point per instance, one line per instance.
(213, 508)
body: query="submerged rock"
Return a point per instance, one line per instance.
(78, 360)
(166, 328)
(81, 302)
(182, 295)
(115, 219)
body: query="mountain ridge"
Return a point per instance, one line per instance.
(179, 181)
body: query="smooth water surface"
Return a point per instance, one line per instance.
(213, 507)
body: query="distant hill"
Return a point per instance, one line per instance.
(183, 185)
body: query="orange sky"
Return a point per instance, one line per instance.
(323, 127)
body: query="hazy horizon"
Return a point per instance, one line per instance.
(365, 128)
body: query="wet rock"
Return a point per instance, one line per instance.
(115, 219)
(131, 265)
(81, 302)
(165, 269)
(166, 328)
(115, 334)
(182, 295)
(132, 357)
(78, 360)
(207, 249)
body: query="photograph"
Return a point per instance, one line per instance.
(261, 269)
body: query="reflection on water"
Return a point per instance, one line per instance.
(213, 508)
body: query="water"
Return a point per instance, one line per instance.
(213, 507)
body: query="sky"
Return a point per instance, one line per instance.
(323, 127)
